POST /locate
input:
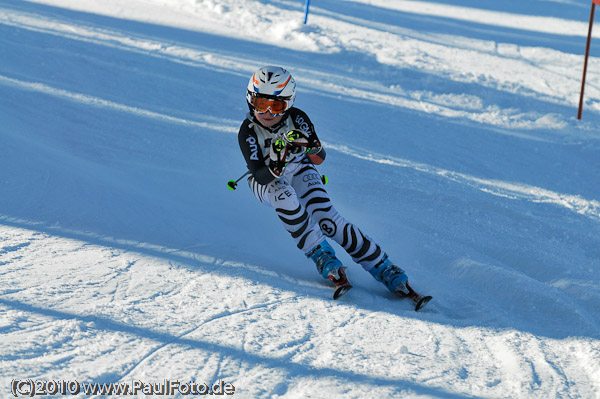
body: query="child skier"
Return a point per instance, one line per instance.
(281, 147)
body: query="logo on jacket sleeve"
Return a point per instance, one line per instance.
(253, 148)
(302, 124)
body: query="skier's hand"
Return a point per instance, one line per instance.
(296, 140)
(277, 157)
(299, 141)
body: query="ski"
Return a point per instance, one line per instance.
(341, 290)
(418, 299)
(340, 279)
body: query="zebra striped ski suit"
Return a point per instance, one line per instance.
(298, 195)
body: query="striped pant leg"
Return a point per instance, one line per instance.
(259, 191)
(311, 192)
(280, 195)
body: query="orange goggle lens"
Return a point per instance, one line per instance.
(263, 105)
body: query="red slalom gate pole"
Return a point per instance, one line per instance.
(587, 54)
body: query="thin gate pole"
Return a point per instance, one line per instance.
(306, 5)
(587, 53)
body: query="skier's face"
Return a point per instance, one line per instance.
(268, 119)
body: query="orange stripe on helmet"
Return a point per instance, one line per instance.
(256, 82)
(286, 82)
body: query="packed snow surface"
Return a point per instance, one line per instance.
(452, 140)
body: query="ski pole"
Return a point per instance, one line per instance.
(232, 184)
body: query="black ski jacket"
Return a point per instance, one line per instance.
(255, 142)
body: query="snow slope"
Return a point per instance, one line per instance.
(452, 139)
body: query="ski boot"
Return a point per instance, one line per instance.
(396, 281)
(330, 267)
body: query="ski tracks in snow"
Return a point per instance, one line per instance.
(204, 318)
(129, 373)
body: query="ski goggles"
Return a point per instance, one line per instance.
(275, 106)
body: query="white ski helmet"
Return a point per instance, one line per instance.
(274, 83)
